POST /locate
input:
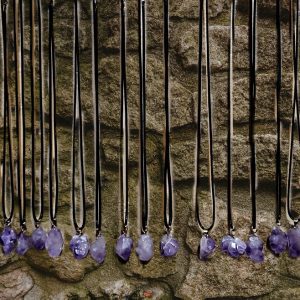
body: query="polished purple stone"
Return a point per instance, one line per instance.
(38, 238)
(144, 249)
(123, 247)
(255, 248)
(207, 247)
(277, 240)
(8, 239)
(98, 249)
(168, 246)
(54, 243)
(233, 246)
(23, 243)
(293, 235)
(79, 245)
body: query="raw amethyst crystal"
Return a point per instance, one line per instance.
(38, 238)
(98, 249)
(8, 239)
(207, 247)
(79, 245)
(144, 249)
(54, 243)
(23, 243)
(233, 246)
(168, 246)
(293, 235)
(255, 248)
(277, 241)
(123, 247)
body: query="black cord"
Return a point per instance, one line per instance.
(97, 122)
(295, 111)
(230, 120)
(252, 49)
(53, 161)
(142, 71)
(124, 121)
(278, 118)
(203, 15)
(77, 124)
(168, 190)
(6, 125)
(37, 219)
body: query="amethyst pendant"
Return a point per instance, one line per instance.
(38, 238)
(255, 248)
(123, 247)
(54, 243)
(144, 249)
(79, 245)
(8, 239)
(98, 249)
(23, 243)
(207, 247)
(168, 246)
(293, 235)
(233, 246)
(277, 241)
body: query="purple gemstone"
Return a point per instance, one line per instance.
(98, 249)
(8, 239)
(255, 248)
(277, 240)
(293, 235)
(168, 246)
(54, 243)
(38, 238)
(123, 247)
(233, 246)
(23, 243)
(144, 249)
(79, 245)
(207, 247)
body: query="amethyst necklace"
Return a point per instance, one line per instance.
(38, 236)
(277, 240)
(98, 247)
(23, 240)
(293, 233)
(8, 237)
(79, 244)
(231, 245)
(254, 244)
(124, 243)
(144, 248)
(54, 242)
(207, 244)
(168, 245)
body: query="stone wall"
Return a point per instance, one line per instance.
(36, 276)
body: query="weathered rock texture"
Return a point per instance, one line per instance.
(36, 276)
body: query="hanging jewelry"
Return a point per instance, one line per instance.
(8, 237)
(54, 243)
(98, 247)
(79, 244)
(207, 244)
(23, 241)
(124, 243)
(144, 248)
(277, 241)
(293, 233)
(254, 244)
(168, 245)
(231, 245)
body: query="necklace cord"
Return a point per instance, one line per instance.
(6, 125)
(203, 19)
